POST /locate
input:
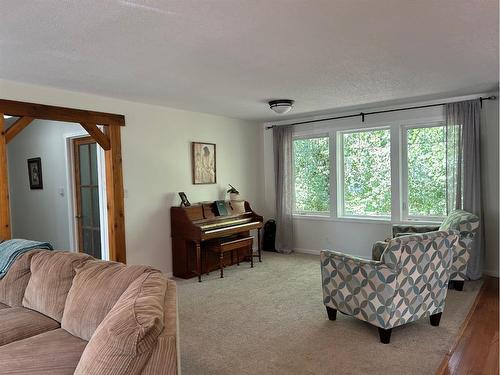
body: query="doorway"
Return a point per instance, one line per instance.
(105, 128)
(87, 195)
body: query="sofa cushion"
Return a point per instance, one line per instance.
(96, 288)
(14, 283)
(18, 323)
(51, 353)
(3, 306)
(124, 340)
(52, 274)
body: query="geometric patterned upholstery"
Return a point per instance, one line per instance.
(464, 222)
(468, 225)
(410, 280)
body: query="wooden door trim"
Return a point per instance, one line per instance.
(113, 157)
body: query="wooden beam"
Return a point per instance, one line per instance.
(5, 233)
(97, 135)
(49, 112)
(17, 128)
(115, 195)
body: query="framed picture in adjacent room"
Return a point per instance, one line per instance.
(35, 173)
(204, 163)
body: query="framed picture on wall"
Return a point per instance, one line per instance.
(35, 173)
(204, 163)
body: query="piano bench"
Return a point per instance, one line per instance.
(230, 246)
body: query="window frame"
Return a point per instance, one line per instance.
(403, 185)
(340, 173)
(312, 214)
(332, 130)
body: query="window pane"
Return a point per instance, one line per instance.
(367, 173)
(312, 174)
(84, 165)
(426, 171)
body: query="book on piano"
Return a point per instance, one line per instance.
(220, 207)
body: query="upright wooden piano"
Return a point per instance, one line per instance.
(195, 227)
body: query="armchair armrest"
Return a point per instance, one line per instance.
(405, 229)
(359, 287)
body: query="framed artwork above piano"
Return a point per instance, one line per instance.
(197, 227)
(204, 160)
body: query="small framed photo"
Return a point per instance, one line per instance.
(204, 163)
(184, 200)
(35, 173)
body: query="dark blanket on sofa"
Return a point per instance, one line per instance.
(11, 249)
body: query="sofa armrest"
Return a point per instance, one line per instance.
(399, 230)
(165, 359)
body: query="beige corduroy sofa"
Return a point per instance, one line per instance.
(65, 313)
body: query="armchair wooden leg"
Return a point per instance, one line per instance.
(435, 319)
(385, 335)
(332, 313)
(458, 284)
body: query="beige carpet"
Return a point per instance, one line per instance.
(271, 320)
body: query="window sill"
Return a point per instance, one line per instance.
(341, 219)
(420, 222)
(363, 220)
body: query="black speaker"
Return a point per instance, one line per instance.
(269, 236)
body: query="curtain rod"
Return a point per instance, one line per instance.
(363, 114)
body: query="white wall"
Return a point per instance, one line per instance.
(357, 236)
(41, 214)
(157, 162)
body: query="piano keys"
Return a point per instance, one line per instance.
(194, 227)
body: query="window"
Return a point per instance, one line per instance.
(312, 175)
(425, 172)
(391, 172)
(365, 178)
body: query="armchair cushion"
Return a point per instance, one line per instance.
(378, 248)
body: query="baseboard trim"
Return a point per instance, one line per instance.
(494, 273)
(307, 251)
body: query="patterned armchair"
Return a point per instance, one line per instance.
(464, 222)
(410, 281)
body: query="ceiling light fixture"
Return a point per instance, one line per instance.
(281, 106)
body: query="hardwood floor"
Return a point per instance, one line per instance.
(476, 348)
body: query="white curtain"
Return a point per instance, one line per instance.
(283, 168)
(464, 170)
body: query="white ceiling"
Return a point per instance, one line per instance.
(229, 57)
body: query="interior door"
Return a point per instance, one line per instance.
(87, 196)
